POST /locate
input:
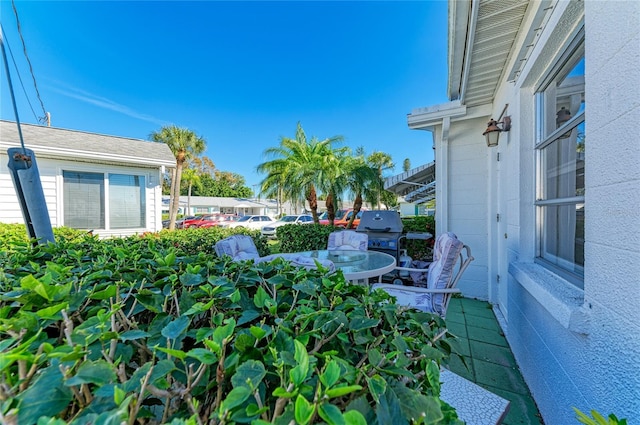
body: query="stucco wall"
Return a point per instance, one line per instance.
(51, 176)
(574, 347)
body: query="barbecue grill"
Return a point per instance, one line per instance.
(384, 229)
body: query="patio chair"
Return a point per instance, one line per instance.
(348, 240)
(242, 248)
(442, 277)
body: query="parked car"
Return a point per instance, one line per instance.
(342, 218)
(198, 220)
(222, 219)
(269, 230)
(178, 222)
(250, 222)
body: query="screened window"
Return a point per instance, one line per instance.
(86, 204)
(561, 165)
(126, 201)
(83, 200)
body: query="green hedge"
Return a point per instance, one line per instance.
(304, 237)
(140, 330)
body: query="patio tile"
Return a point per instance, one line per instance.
(522, 410)
(458, 329)
(492, 353)
(495, 375)
(488, 336)
(483, 322)
(464, 369)
(479, 311)
(461, 346)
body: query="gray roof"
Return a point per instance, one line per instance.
(79, 145)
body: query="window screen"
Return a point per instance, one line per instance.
(83, 200)
(127, 207)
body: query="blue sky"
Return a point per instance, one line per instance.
(239, 74)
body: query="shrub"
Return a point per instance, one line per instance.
(134, 331)
(307, 237)
(419, 249)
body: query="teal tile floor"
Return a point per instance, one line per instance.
(487, 359)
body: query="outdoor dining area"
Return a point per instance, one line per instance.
(485, 386)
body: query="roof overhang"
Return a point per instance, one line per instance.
(482, 36)
(428, 117)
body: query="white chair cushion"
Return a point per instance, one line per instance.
(445, 255)
(238, 247)
(348, 240)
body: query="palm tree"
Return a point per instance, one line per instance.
(359, 178)
(192, 178)
(299, 166)
(184, 144)
(382, 162)
(406, 165)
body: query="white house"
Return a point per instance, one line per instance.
(111, 185)
(552, 212)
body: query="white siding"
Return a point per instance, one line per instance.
(51, 176)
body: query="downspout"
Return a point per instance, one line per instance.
(442, 167)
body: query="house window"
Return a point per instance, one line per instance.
(86, 204)
(127, 206)
(560, 203)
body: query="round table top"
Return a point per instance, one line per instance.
(356, 264)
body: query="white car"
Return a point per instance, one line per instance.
(251, 222)
(269, 230)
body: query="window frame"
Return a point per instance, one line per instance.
(570, 57)
(106, 207)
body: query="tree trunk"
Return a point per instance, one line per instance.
(357, 206)
(172, 220)
(189, 198)
(331, 209)
(176, 195)
(312, 197)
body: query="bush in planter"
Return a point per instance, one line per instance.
(126, 331)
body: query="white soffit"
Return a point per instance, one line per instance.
(492, 28)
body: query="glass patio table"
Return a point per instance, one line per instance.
(356, 265)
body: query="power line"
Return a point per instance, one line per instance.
(24, 47)
(15, 65)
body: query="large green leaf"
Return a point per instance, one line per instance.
(249, 374)
(191, 279)
(388, 410)
(331, 374)
(353, 417)
(133, 335)
(331, 414)
(303, 410)
(415, 405)
(34, 403)
(176, 327)
(99, 372)
(361, 323)
(299, 373)
(234, 398)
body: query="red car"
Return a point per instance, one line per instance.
(342, 218)
(198, 221)
(222, 218)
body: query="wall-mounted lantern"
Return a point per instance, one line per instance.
(492, 133)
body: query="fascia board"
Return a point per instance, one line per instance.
(74, 154)
(424, 118)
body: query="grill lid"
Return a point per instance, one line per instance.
(380, 221)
